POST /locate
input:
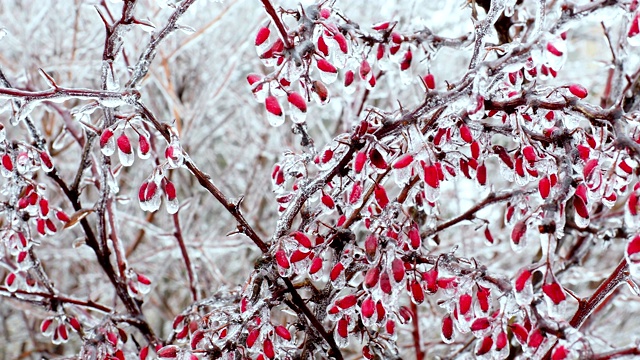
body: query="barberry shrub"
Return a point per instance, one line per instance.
(449, 179)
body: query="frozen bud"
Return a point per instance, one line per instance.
(431, 279)
(361, 158)
(62, 332)
(302, 239)
(322, 46)
(267, 347)
(431, 176)
(398, 270)
(321, 91)
(283, 332)
(75, 324)
(520, 332)
(6, 162)
(484, 346)
(253, 78)
(252, 337)
(464, 304)
(324, 65)
(553, 50)
(281, 259)
(414, 238)
(518, 232)
(365, 69)
(377, 159)
(143, 147)
(488, 236)
(327, 200)
(381, 196)
(336, 271)
(417, 294)
(372, 276)
(522, 280)
(44, 207)
(481, 174)
(480, 324)
(465, 134)
(170, 190)
(106, 135)
(348, 78)
(544, 187)
(368, 308)
(262, 36)
(429, 81)
(45, 160)
(447, 329)
(560, 353)
(483, 298)
(299, 255)
(555, 292)
(342, 42)
(356, 193)
(397, 37)
(578, 90)
(45, 326)
(381, 26)
(196, 337)
(168, 352)
(403, 162)
(581, 207)
(380, 51)
(273, 106)
(405, 314)
(143, 279)
(297, 101)
(501, 340)
(347, 301)
(316, 265)
(529, 154)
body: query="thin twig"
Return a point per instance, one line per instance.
(185, 256)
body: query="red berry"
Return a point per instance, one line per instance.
(578, 90)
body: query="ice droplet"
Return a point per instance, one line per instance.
(147, 26)
(581, 222)
(154, 203)
(22, 113)
(634, 40)
(340, 281)
(172, 205)
(186, 29)
(125, 159)
(3, 33)
(112, 102)
(341, 341)
(275, 120)
(144, 288)
(109, 147)
(328, 77)
(297, 116)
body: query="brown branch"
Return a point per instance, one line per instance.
(417, 341)
(492, 198)
(57, 298)
(102, 256)
(276, 20)
(588, 306)
(243, 227)
(185, 256)
(142, 66)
